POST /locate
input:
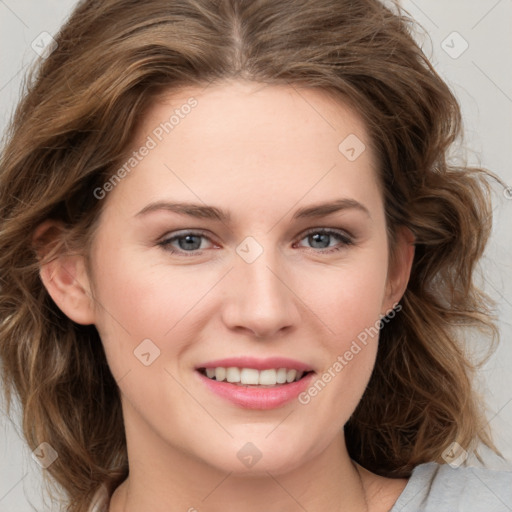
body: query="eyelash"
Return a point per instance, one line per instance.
(346, 240)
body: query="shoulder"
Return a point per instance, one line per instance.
(436, 487)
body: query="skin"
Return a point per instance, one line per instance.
(259, 152)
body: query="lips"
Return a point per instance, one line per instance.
(256, 383)
(258, 364)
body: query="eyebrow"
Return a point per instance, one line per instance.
(211, 212)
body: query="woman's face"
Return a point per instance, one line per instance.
(278, 250)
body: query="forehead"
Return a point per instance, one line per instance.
(248, 141)
(241, 111)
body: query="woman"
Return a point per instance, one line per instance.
(236, 263)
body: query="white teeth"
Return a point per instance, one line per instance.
(281, 375)
(290, 375)
(267, 378)
(233, 375)
(249, 376)
(253, 377)
(220, 373)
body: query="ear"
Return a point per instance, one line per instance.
(63, 274)
(400, 264)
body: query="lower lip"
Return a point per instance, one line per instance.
(252, 397)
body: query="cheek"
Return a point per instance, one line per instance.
(350, 307)
(137, 302)
(347, 299)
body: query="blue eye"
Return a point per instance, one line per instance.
(322, 238)
(189, 243)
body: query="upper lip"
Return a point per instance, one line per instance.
(258, 364)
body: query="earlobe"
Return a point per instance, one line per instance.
(399, 267)
(64, 276)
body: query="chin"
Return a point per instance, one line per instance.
(257, 455)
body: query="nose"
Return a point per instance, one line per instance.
(260, 297)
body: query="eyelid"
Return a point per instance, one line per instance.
(165, 241)
(346, 239)
(337, 231)
(183, 232)
(198, 232)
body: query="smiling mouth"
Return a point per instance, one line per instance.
(250, 377)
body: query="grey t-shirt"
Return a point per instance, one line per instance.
(434, 487)
(440, 488)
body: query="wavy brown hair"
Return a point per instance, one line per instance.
(80, 108)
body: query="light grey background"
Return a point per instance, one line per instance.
(481, 78)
